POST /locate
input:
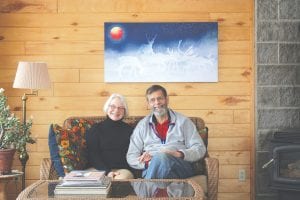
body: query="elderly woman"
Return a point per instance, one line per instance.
(108, 141)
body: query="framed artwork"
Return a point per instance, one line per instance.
(161, 52)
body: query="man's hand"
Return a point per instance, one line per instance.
(145, 157)
(177, 154)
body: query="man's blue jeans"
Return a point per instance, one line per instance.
(166, 166)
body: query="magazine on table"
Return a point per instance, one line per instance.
(104, 182)
(82, 190)
(84, 175)
(84, 182)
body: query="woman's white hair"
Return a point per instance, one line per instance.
(112, 97)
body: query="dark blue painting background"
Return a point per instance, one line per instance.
(136, 34)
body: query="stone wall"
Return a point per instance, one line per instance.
(277, 79)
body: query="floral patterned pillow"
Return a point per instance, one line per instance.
(71, 146)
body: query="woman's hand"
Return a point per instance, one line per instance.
(113, 174)
(145, 157)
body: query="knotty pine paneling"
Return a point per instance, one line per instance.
(12, 92)
(211, 116)
(133, 89)
(41, 131)
(224, 129)
(34, 171)
(153, 6)
(234, 33)
(233, 74)
(242, 116)
(233, 196)
(62, 47)
(64, 75)
(91, 75)
(12, 48)
(234, 47)
(54, 34)
(55, 61)
(234, 60)
(225, 144)
(28, 6)
(231, 157)
(56, 75)
(231, 171)
(68, 35)
(37, 156)
(42, 145)
(233, 185)
(89, 20)
(7, 75)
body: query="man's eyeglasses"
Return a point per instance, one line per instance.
(152, 100)
(114, 107)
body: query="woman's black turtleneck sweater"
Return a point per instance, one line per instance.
(107, 144)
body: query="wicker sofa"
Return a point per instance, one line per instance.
(209, 166)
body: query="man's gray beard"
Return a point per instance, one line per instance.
(161, 112)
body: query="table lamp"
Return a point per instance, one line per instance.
(33, 76)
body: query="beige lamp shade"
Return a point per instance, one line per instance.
(32, 75)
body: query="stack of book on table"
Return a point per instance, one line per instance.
(80, 182)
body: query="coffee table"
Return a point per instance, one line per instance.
(124, 189)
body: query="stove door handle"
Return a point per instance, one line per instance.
(268, 163)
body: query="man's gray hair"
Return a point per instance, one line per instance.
(112, 97)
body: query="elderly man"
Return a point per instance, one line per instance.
(165, 143)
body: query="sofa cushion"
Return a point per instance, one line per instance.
(68, 147)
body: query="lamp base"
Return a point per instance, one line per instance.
(23, 157)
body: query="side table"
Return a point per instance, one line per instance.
(4, 179)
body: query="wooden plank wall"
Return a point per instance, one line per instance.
(68, 35)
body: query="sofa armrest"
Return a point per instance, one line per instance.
(212, 170)
(47, 171)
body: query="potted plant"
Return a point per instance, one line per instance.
(14, 135)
